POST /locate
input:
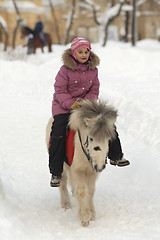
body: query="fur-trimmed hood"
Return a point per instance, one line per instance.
(70, 62)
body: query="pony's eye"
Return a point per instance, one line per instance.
(91, 139)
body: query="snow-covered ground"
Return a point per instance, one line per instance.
(127, 199)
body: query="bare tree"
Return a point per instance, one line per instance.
(110, 14)
(19, 20)
(134, 24)
(93, 7)
(55, 21)
(127, 17)
(70, 21)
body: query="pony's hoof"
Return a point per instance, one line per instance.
(92, 218)
(85, 223)
(67, 206)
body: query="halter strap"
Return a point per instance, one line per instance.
(80, 139)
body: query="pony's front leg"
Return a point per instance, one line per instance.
(64, 194)
(91, 188)
(82, 195)
(84, 208)
(42, 49)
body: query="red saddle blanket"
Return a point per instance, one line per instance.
(70, 146)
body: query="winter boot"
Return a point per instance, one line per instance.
(120, 163)
(55, 181)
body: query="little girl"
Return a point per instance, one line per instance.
(76, 79)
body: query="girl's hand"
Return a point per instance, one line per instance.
(76, 104)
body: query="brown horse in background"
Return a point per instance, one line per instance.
(34, 41)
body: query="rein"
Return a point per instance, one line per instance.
(80, 139)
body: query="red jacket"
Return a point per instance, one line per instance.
(75, 81)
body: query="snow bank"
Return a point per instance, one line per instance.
(127, 199)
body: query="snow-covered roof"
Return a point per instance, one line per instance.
(140, 2)
(147, 13)
(56, 3)
(157, 1)
(127, 8)
(23, 6)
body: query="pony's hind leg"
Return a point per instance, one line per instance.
(49, 47)
(64, 194)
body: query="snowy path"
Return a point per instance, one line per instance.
(127, 199)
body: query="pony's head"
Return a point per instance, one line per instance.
(94, 121)
(25, 31)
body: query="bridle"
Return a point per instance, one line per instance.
(86, 143)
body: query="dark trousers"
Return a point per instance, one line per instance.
(115, 149)
(57, 145)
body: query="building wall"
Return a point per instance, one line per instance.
(10, 17)
(149, 20)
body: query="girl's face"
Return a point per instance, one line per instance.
(82, 55)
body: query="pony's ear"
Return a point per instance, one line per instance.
(113, 116)
(88, 121)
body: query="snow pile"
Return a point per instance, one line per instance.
(127, 199)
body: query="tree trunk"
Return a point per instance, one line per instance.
(70, 22)
(55, 21)
(108, 23)
(6, 40)
(126, 26)
(105, 34)
(6, 37)
(15, 33)
(134, 24)
(17, 24)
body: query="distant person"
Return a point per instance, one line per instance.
(76, 79)
(38, 30)
(30, 42)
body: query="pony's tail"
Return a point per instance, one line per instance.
(48, 131)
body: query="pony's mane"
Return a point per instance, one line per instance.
(103, 117)
(27, 29)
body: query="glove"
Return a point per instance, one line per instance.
(76, 104)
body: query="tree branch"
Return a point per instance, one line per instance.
(110, 19)
(91, 4)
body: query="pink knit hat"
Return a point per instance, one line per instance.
(77, 43)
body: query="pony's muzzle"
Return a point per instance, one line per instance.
(98, 168)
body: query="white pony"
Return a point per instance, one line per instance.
(93, 123)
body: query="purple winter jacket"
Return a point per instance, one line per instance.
(75, 81)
